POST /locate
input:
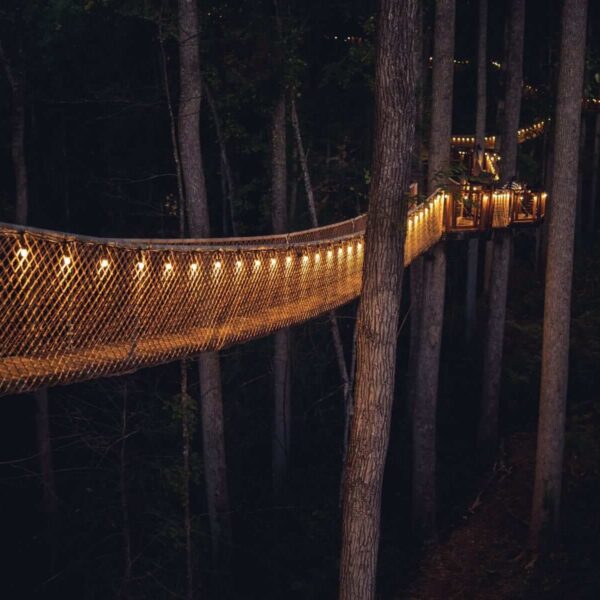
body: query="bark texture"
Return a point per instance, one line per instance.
(559, 271)
(333, 322)
(15, 74)
(434, 281)
(281, 358)
(480, 120)
(512, 91)
(380, 300)
(487, 434)
(591, 220)
(481, 109)
(499, 271)
(196, 203)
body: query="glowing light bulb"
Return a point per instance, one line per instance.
(329, 253)
(317, 257)
(194, 267)
(104, 263)
(340, 251)
(257, 263)
(23, 252)
(238, 264)
(168, 266)
(273, 262)
(66, 260)
(218, 264)
(305, 259)
(140, 266)
(288, 259)
(360, 245)
(350, 249)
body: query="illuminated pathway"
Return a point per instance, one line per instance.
(74, 308)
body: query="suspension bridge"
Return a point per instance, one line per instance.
(74, 308)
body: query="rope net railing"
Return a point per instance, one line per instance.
(74, 308)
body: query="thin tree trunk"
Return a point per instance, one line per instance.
(591, 220)
(186, 437)
(226, 173)
(559, 273)
(213, 438)
(16, 79)
(480, 119)
(494, 340)
(185, 397)
(333, 322)
(492, 368)
(434, 281)
(580, 177)
(127, 562)
(380, 298)
(281, 358)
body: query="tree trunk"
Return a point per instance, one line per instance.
(124, 497)
(229, 220)
(186, 451)
(434, 280)
(480, 119)
(213, 438)
(487, 434)
(380, 300)
(281, 359)
(591, 220)
(481, 110)
(559, 272)
(494, 340)
(16, 78)
(333, 322)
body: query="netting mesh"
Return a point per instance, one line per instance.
(74, 308)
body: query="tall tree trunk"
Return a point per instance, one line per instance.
(559, 272)
(124, 497)
(480, 119)
(380, 299)
(213, 438)
(434, 281)
(591, 220)
(494, 340)
(186, 451)
(15, 74)
(281, 357)
(229, 220)
(333, 322)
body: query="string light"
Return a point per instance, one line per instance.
(194, 267)
(140, 266)
(288, 259)
(23, 252)
(168, 266)
(217, 264)
(104, 263)
(257, 263)
(273, 262)
(66, 261)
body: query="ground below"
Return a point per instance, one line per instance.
(485, 556)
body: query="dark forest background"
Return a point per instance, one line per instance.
(100, 162)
